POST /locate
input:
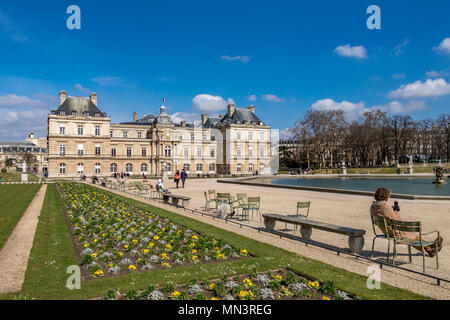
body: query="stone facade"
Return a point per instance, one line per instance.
(82, 140)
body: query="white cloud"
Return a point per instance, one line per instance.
(444, 46)
(252, 97)
(436, 74)
(243, 59)
(14, 126)
(419, 89)
(399, 75)
(398, 49)
(16, 101)
(285, 134)
(396, 107)
(81, 88)
(271, 98)
(188, 117)
(209, 103)
(358, 52)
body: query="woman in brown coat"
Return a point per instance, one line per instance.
(381, 208)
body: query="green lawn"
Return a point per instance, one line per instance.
(15, 177)
(14, 200)
(53, 252)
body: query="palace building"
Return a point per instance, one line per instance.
(82, 140)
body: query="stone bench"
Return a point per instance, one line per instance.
(355, 236)
(176, 199)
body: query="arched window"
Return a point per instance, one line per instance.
(212, 167)
(98, 167)
(261, 168)
(129, 168)
(167, 151)
(62, 168)
(186, 167)
(80, 168)
(238, 167)
(199, 167)
(250, 167)
(144, 168)
(113, 168)
(169, 168)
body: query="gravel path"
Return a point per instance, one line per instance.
(395, 277)
(16, 251)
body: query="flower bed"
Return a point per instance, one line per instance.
(272, 285)
(113, 237)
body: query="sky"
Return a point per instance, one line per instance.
(284, 57)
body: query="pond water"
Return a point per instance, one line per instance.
(413, 186)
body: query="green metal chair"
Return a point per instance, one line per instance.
(212, 194)
(382, 223)
(208, 200)
(416, 227)
(300, 205)
(253, 205)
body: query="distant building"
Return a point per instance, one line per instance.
(82, 140)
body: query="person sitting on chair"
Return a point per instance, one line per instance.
(160, 186)
(381, 208)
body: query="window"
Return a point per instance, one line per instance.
(199, 167)
(98, 168)
(129, 168)
(80, 149)
(192, 137)
(113, 151)
(125, 134)
(238, 167)
(212, 167)
(74, 113)
(261, 168)
(238, 135)
(199, 152)
(250, 152)
(62, 149)
(144, 151)
(186, 152)
(144, 168)
(97, 114)
(238, 152)
(167, 151)
(62, 113)
(97, 150)
(250, 167)
(186, 167)
(111, 133)
(211, 152)
(80, 168)
(205, 136)
(250, 135)
(169, 168)
(261, 152)
(62, 129)
(128, 151)
(139, 135)
(62, 168)
(113, 167)
(97, 130)
(80, 130)
(261, 136)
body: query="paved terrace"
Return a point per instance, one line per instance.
(346, 210)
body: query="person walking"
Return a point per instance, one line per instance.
(183, 176)
(177, 178)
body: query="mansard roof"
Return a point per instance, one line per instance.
(241, 116)
(80, 105)
(145, 120)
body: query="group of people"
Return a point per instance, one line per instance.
(117, 175)
(180, 176)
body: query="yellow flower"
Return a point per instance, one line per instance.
(145, 251)
(194, 237)
(279, 277)
(194, 251)
(313, 284)
(244, 252)
(151, 244)
(214, 298)
(155, 237)
(243, 294)
(134, 241)
(163, 256)
(325, 298)
(125, 246)
(165, 264)
(120, 253)
(247, 282)
(94, 255)
(98, 273)
(212, 286)
(86, 245)
(168, 246)
(175, 294)
(131, 267)
(221, 256)
(95, 240)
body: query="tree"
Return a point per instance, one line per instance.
(29, 159)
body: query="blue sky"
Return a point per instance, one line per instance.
(285, 57)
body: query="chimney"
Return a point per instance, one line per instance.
(204, 118)
(93, 98)
(231, 109)
(251, 108)
(183, 123)
(62, 97)
(134, 116)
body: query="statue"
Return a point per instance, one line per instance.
(343, 168)
(439, 172)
